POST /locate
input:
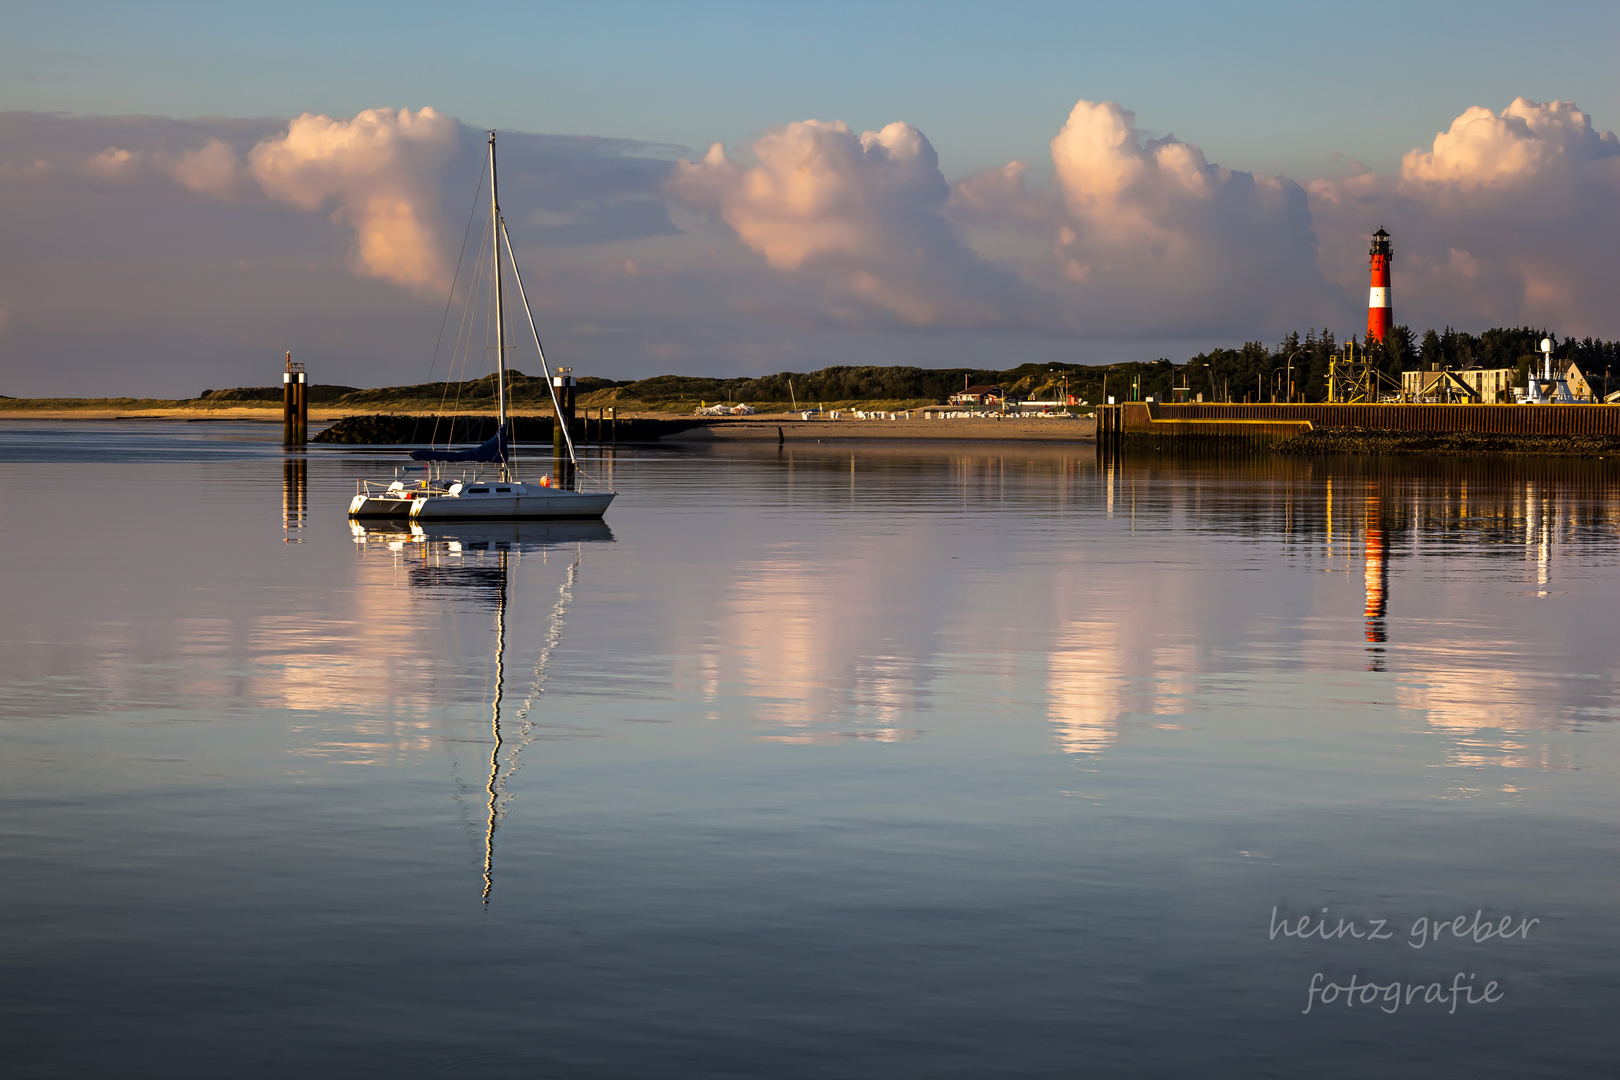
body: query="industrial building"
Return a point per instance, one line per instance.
(1478, 386)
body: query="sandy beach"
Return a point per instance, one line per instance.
(976, 429)
(758, 428)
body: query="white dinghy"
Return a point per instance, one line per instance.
(434, 499)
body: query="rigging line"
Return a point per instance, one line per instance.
(545, 367)
(456, 277)
(525, 735)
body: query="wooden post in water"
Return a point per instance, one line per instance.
(303, 407)
(294, 405)
(563, 381)
(287, 404)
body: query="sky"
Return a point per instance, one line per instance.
(189, 190)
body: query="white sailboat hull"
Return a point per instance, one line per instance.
(549, 504)
(370, 506)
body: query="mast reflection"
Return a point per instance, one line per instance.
(493, 788)
(477, 563)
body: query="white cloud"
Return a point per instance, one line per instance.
(114, 163)
(1146, 237)
(861, 216)
(212, 170)
(31, 170)
(1508, 218)
(1526, 140)
(817, 189)
(382, 170)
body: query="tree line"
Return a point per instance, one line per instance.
(1256, 371)
(1259, 372)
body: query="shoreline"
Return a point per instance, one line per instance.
(756, 428)
(764, 428)
(976, 429)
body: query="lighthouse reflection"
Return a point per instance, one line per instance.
(477, 564)
(1375, 575)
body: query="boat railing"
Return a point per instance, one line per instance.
(380, 489)
(584, 481)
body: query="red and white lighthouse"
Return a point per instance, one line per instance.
(1379, 316)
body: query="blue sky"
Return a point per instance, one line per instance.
(1278, 87)
(1298, 129)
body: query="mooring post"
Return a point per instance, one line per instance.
(294, 405)
(287, 404)
(563, 383)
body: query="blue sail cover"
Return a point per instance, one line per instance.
(493, 450)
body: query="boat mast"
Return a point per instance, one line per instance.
(500, 308)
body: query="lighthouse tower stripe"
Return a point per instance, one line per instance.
(1379, 297)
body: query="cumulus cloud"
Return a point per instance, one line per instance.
(214, 169)
(28, 171)
(817, 189)
(114, 163)
(861, 215)
(1527, 139)
(381, 169)
(1147, 237)
(1508, 217)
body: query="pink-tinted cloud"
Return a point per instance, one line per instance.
(1488, 150)
(214, 169)
(1145, 237)
(861, 216)
(1508, 218)
(114, 163)
(381, 169)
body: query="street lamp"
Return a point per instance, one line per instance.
(1288, 365)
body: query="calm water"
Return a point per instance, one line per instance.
(820, 762)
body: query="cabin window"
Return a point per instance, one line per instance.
(478, 491)
(502, 491)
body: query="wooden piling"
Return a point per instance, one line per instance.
(294, 405)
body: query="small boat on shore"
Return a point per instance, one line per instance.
(473, 497)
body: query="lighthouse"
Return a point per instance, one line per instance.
(1378, 309)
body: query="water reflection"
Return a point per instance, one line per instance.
(294, 498)
(1375, 575)
(1475, 530)
(473, 563)
(1135, 626)
(851, 748)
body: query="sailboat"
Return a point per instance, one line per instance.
(434, 499)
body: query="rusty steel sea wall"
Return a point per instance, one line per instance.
(1479, 419)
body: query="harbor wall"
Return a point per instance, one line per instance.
(1476, 419)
